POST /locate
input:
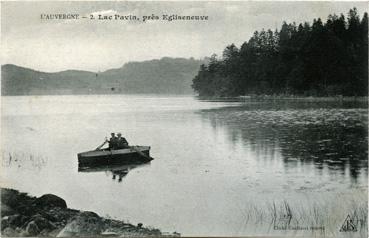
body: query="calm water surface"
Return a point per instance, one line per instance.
(212, 159)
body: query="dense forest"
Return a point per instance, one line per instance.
(318, 59)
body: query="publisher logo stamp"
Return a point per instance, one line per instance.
(350, 224)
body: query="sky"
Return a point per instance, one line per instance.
(98, 45)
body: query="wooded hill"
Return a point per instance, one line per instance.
(322, 59)
(164, 76)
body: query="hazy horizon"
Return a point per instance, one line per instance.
(71, 69)
(57, 45)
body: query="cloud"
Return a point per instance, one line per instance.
(101, 44)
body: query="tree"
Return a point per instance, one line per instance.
(323, 59)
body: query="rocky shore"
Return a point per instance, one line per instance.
(48, 216)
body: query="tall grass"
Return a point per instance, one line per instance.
(21, 159)
(311, 217)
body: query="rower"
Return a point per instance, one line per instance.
(113, 141)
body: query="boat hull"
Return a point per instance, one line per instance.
(134, 154)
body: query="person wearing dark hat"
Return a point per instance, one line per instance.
(113, 141)
(122, 142)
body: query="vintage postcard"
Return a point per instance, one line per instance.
(184, 118)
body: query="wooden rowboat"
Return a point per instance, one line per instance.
(131, 155)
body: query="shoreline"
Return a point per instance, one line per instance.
(309, 98)
(338, 98)
(289, 98)
(48, 216)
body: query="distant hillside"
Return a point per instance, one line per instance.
(164, 76)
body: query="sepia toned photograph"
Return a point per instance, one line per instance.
(184, 119)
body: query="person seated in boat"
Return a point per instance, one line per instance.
(122, 142)
(113, 141)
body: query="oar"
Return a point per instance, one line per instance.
(142, 154)
(98, 148)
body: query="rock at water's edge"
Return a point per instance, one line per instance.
(50, 200)
(32, 229)
(84, 224)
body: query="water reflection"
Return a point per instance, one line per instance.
(328, 135)
(116, 172)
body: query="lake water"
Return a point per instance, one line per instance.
(219, 165)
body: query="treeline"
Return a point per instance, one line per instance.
(322, 59)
